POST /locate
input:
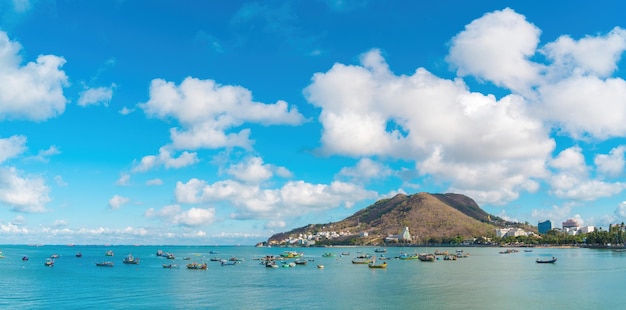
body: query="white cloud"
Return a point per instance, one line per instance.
(30, 92)
(96, 96)
(596, 56)
(193, 217)
(117, 201)
(452, 134)
(11, 147)
(166, 159)
(26, 194)
(275, 224)
(496, 47)
(251, 171)
(365, 170)
(611, 164)
(207, 111)
(124, 180)
(44, 155)
(571, 179)
(293, 199)
(59, 180)
(125, 111)
(156, 181)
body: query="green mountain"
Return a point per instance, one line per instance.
(431, 218)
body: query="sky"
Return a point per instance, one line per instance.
(224, 122)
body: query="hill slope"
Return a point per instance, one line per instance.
(431, 218)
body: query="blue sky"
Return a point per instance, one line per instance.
(223, 122)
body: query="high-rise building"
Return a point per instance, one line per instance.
(570, 223)
(544, 226)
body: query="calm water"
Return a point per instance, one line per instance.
(581, 279)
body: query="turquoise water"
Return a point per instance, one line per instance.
(581, 279)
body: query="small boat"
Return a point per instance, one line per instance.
(229, 263)
(170, 266)
(186, 258)
(300, 262)
(527, 251)
(374, 265)
(405, 256)
(271, 264)
(328, 254)
(362, 261)
(291, 254)
(214, 252)
(130, 259)
(25, 258)
(1, 254)
(380, 250)
(49, 262)
(442, 253)
(109, 253)
(159, 253)
(79, 254)
(196, 266)
(320, 266)
(546, 261)
(169, 255)
(427, 257)
(104, 264)
(54, 256)
(215, 259)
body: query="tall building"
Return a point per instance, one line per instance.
(570, 223)
(544, 226)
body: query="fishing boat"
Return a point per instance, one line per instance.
(25, 258)
(170, 266)
(195, 265)
(131, 260)
(291, 254)
(546, 261)
(405, 256)
(79, 254)
(229, 262)
(54, 256)
(300, 261)
(109, 253)
(362, 261)
(49, 262)
(104, 264)
(271, 264)
(426, 257)
(374, 265)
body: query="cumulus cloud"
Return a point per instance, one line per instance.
(208, 112)
(117, 201)
(571, 178)
(11, 147)
(27, 194)
(452, 134)
(96, 96)
(496, 47)
(491, 149)
(611, 164)
(292, 199)
(365, 170)
(33, 91)
(166, 159)
(254, 170)
(174, 214)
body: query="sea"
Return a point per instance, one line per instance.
(485, 279)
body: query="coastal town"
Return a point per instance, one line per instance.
(570, 228)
